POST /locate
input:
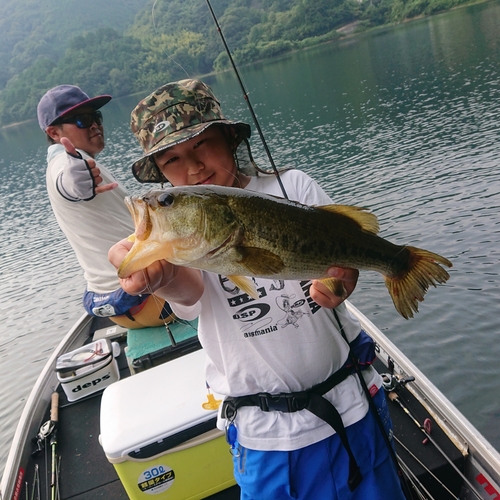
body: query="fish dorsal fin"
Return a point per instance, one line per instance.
(245, 285)
(366, 220)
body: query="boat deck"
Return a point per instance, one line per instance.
(84, 472)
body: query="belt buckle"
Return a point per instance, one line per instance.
(276, 402)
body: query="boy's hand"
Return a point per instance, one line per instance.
(147, 280)
(324, 297)
(181, 285)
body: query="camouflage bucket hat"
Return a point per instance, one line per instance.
(174, 113)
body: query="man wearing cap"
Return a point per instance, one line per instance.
(295, 413)
(88, 204)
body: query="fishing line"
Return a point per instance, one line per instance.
(247, 99)
(245, 93)
(157, 301)
(153, 16)
(156, 32)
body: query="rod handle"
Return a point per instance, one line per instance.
(392, 396)
(54, 407)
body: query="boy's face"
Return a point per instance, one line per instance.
(204, 159)
(90, 140)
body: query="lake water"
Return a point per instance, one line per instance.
(403, 120)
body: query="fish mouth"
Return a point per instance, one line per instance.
(138, 208)
(144, 252)
(141, 255)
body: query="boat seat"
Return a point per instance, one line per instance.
(147, 347)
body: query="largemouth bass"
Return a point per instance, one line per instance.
(242, 234)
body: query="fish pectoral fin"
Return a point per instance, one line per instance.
(131, 238)
(335, 286)
(366, 220)
(260, 262)
(245, 284)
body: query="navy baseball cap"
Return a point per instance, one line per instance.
(62, 99)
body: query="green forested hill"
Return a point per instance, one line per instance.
(125, 46)
(30, 29)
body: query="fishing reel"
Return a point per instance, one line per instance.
(391, 383)
(45, 431)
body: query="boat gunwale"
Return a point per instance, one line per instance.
(36, 405)
(476, 447)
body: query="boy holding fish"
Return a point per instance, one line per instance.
(88, 203)
(295, 412)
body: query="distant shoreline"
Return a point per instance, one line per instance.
(16, 123)
(347, 31)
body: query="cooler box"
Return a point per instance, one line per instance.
(161, 440)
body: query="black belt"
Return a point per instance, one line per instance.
(311, 400)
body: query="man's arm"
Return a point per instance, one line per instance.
(80, 179)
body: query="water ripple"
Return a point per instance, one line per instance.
(412, 134)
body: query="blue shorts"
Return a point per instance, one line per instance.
(111, 304)
(320, 471)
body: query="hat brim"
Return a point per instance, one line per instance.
(145, 169)
(94, 103)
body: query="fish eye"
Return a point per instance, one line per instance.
(165, 199)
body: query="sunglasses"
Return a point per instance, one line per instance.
(84, 120)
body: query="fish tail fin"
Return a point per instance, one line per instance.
(409, 289)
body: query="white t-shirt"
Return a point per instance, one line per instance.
(93, 226)
(282, 342)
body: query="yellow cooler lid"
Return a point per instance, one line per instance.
(152, 405)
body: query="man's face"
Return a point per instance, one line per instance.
(90, 140)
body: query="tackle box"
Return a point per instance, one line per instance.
(88, 369)
(158, 429)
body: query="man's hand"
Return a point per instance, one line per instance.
(82, 166)
(324, 297)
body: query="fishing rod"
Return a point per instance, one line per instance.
(373, 408)
(54, 417)
(48, 429)
(36, 486)
(418, 488)
(416, 483)
(393, 396)
(247, 99)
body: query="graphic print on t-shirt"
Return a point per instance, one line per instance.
(275, 309)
